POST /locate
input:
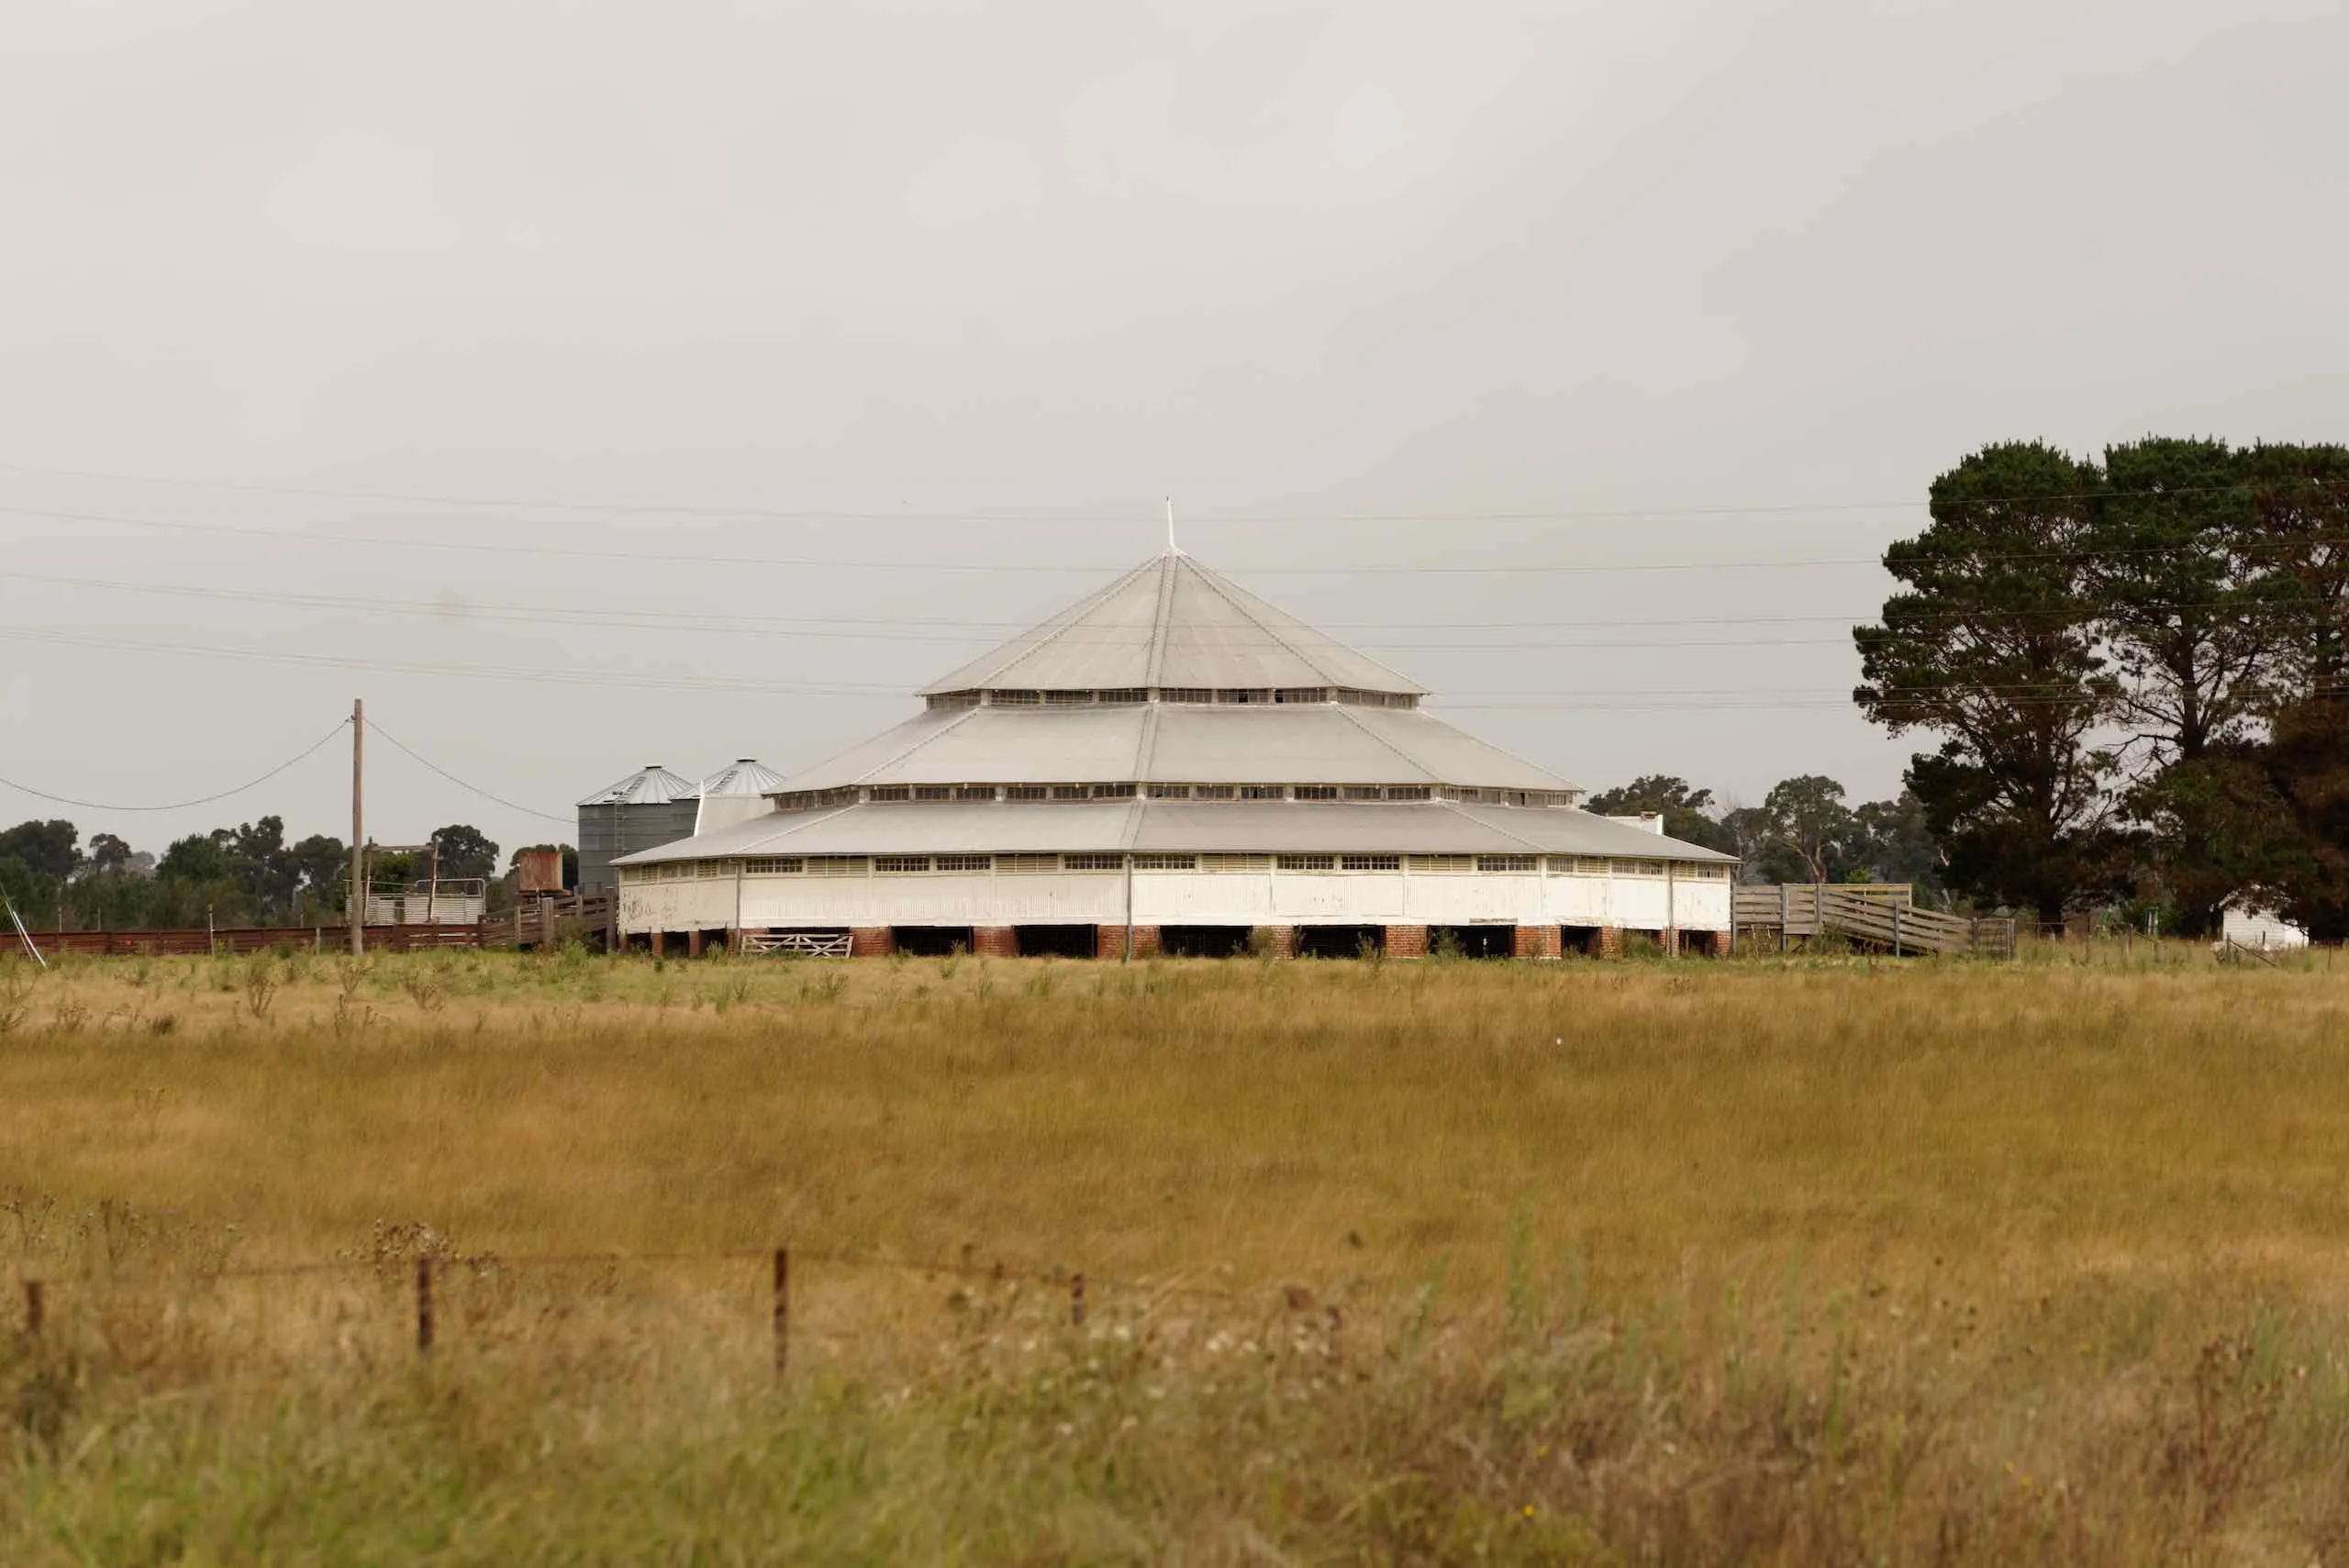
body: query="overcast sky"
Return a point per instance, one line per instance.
(1661, 314)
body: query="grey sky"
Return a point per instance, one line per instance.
(1039, 265)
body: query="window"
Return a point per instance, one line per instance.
(955, 699)
(1635, 868)
(1252, 695)
(1027, 865)
(1408, 791)
(1068, 699)
(1186, 694)
(1308, 863)
(1016, 700)
(1069, 792)
(1113, 792)
(1301, 694)
(1170, 792)
(932, 792)
(1507, 862)
(1236, 862)
(965, 862)
(1699, 870)
(1362, 792)
(1026, 792)
(889, 791)
(1215, 792)
(788, 866)
(900, 863)
(1316, 792)
(1370, 863)
(836, 865)
(1166, 862)
(1576, 865)
(707, 869)
(1443, 865)
(1264, 792)
(1092, 863)
(974, 791)
(1125, 693)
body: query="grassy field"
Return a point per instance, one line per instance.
(1790, 1261)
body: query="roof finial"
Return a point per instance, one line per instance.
(1171, 548)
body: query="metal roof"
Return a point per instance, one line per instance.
(746, 775)
(1172, 622)
(1266, 826)
(650, 786)
(1177, 743)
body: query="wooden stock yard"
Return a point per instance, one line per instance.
(1881, 914)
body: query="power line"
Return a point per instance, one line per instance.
(511, 805)
(979, 630)
(757, 513)
(182, 805)
(813, 563)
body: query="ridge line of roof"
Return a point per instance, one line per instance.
(1146, 747)
(1237, 597)
(1061, 625)
(1408, 759)
(1163, 620)
(1454, 806)
(962, 717)
(1521, 762)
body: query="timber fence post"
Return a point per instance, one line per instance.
(36, 1307)
(424, 1305)
(1076, 1301)
(781, 1312)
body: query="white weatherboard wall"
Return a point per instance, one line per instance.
(1177, 898)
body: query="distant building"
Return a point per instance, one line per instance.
(1172, 765)
(2246, 923)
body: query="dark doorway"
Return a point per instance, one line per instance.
(930, 942)
(1340, 941)
(1056, 941)
(1472, 941)
(1204, 941)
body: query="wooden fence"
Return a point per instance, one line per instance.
(544, 920)
(1882, 914)
(198, 942)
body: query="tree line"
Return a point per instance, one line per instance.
(245, 876)
(2135, 673)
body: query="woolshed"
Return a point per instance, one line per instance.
(1175, 766)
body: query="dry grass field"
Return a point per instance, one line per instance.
(1797, 1261)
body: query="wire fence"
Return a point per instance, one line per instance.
(428, 1275)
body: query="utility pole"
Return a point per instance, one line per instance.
(358, 827)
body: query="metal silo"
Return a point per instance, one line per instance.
(649, 807)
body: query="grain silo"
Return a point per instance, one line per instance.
(649, 807)
(735, 793)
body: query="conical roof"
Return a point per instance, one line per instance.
(745, 775)
(1171, 623)
(652, 784)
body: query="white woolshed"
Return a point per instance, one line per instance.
(1174, 765)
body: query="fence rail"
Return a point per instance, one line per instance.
(197, 942)
(544, 920)
(1882, 914)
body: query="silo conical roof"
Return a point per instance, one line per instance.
(744, 775)
(652, 784)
